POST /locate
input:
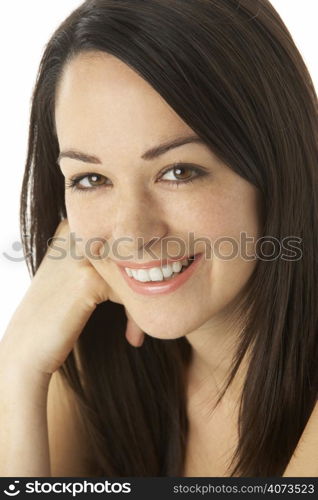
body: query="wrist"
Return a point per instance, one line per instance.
(14, 373)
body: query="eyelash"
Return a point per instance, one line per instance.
(72, 184)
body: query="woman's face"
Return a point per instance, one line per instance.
(104, 109)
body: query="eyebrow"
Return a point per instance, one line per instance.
(148, 155)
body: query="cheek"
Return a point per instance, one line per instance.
(233, 257)
(210, 213)
(229, 213)
(225, 217)
(89, 223)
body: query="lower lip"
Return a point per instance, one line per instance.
(154, 287)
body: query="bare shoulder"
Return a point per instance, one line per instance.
(304, 462)
(70, 453)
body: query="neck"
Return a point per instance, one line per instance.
(213, 348)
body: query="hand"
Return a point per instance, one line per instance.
(62, 296)
(134, 334)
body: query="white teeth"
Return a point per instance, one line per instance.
(156, 273)
(128, 271)
(142, 275)
(176, 266)
(135, 273)
(167, 271)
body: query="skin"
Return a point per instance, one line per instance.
(138, 206)
(103, 108)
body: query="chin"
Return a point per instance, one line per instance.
(162, 328)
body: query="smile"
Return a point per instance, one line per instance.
(160, 273)
(161, 279)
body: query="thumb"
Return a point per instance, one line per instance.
(134, 334)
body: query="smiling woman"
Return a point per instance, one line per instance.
(191, 127)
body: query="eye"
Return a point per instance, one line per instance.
(90, 181)
(86, 182)
(183, 173)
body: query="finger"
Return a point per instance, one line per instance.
(134, 334)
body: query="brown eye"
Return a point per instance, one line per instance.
(95, 180)
(181, 174)
(87, 182)
(90, 182)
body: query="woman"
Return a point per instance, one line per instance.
(133, 100)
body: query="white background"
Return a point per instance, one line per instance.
(25, 29)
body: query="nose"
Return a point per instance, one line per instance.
(138, 222)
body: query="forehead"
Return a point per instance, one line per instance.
(101, 101)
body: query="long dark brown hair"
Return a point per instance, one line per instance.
(232, 72)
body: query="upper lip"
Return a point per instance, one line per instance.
(147, 265)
